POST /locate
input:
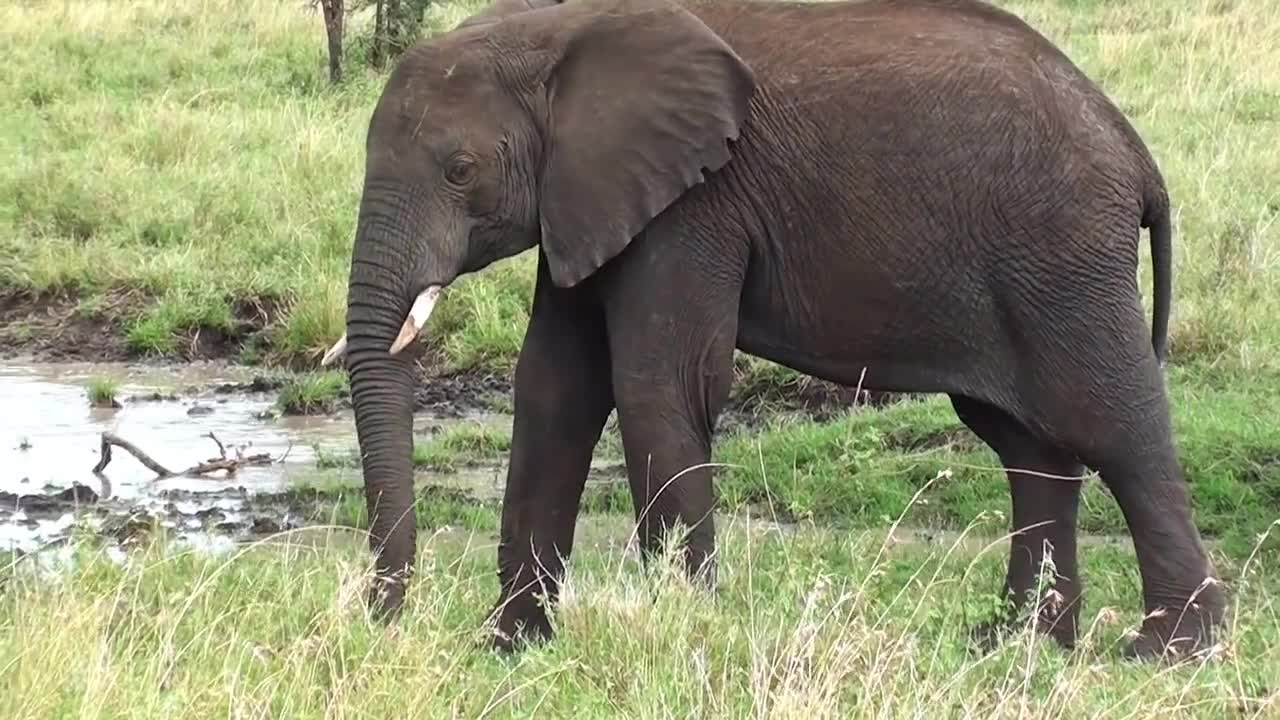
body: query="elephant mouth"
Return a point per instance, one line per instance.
(418, 315)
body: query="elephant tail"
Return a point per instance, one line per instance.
(1155, 218)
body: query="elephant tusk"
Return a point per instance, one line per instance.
(338, 350)
(418, 314)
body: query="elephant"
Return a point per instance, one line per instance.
(920, 196)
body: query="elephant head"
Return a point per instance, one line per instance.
(568, 126)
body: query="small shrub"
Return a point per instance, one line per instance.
(313, 393)
(102, 392)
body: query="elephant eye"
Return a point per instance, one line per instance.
(461, 170)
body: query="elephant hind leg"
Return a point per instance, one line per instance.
(1095, 388)
(1183, 602)
(1045, 503)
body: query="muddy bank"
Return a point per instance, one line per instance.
(455, 393)
(57, 326)
(212, 516)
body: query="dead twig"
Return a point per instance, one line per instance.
(221, 450)
(224, 463)
(285, 456)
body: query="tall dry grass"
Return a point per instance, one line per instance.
(808, 623)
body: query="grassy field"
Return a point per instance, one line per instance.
(179, 170)
(808, 623)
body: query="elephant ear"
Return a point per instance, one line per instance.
(641, 97)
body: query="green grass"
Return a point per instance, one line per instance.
(452, 448)
(865, 467)
(196, 152)
(154, 331)
(812, 623)
(313, 392)
(457, 446)
(102, 391)
(342, 504)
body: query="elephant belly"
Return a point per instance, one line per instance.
(896, 334)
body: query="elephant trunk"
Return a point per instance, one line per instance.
(382, 389)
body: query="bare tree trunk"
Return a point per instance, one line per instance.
(333, 21)
(395, 22)
(390, 30)
(378, 53)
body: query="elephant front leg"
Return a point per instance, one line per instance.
(562, 400)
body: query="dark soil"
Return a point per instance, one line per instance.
(50, 503)
(455, 394)
(55, 326)
(52, 326)
(259, 384)
(818, 400)
(911, 440)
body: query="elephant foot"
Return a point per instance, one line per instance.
(385, 599)
(1060, 625)
(988, 636)
(1179, 632)
(522, 622)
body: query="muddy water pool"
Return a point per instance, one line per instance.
(51, 436)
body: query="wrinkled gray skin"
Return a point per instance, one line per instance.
(926, 190)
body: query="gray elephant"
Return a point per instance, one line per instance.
(924, 191)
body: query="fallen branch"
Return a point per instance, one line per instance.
(224, 463)
(222, 451)
(109, 439)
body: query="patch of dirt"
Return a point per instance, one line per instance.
(250, 318)
(58, 326)
(455, 394)
(909, 440)
(49, 503)
(53, 326)
(451, 393)
(750, 405)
